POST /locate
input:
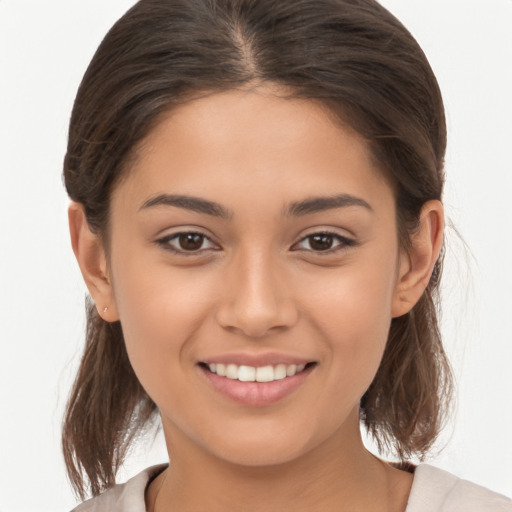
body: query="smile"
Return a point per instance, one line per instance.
(259, 385)
(245, 373)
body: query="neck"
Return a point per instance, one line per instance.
(340, 475)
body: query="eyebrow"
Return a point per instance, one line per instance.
(319, 204)
(295, 209)
(195, 204)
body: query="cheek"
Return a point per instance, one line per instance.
(160, 311)
(352, 310)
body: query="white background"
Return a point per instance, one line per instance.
(45, 47)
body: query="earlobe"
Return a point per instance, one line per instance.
(418, 263)
(91, 258)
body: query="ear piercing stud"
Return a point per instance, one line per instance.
(105, 309)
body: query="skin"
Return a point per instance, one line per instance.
(256, 284)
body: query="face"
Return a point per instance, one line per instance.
(254, 262)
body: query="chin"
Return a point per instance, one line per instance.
(266, 444)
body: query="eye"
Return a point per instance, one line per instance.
(187, 242)
(324, 242)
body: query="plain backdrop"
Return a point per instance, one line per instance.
(45, 47)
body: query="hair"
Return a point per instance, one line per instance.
(352, 56)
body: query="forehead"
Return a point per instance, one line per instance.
(243, 142)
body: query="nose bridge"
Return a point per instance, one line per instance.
(256, 296)
(257, 287)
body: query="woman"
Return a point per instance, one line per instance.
(256, 210)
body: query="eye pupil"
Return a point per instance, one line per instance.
(321, 242)
(191, 241)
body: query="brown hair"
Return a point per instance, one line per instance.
(366, 68)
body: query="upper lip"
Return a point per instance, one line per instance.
(256, 360)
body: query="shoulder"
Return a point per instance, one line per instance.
(127, 497)
(435, 490)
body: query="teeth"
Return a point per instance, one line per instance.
(280, 372)
(256, 374)
(264, 374)
(291, 369)
(232, 371)
(246, 373)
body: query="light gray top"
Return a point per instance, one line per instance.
(433, 490)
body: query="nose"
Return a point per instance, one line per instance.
(255, 298)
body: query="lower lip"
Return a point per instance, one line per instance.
(256, 394)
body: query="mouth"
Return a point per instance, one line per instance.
(244, 373)
(256, 386)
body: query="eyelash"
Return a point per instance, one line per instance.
(165, 243)
(343, 242)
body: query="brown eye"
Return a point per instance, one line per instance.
(187, 242)
(324, 242)
(321, 242)
(190, 241)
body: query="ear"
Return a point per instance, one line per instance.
(417, 264)
(90, 254)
